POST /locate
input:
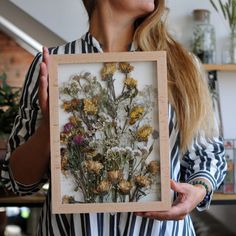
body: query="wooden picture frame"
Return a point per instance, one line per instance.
(99, 103)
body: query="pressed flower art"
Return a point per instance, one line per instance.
(109, 136)
(109, 133)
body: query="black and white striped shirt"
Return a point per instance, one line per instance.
(204, 159)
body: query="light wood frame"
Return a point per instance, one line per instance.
(159, 59)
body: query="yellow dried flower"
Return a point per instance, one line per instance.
(114, 175)
(153, 167)
(64, 138)
(90, 107)
(108, 70)
(93, 166)
(103, 187)
(64, 163)
(125, 67)
(67, 106)
(64, 160)
(67, 199)
(74, 120)
(130, 83)
(124, 187)
(135, 114)
(144, 132)
(90, 152)
(142, 181)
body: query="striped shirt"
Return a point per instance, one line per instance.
(204, 159)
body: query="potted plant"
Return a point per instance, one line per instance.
(9, 98)
(228, 10)
(8, 106)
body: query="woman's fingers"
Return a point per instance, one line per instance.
(45, 56)
(175, 213)
(188, 197)
(43, 84)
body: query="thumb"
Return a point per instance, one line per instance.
(177, 187)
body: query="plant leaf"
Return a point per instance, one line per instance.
(222, 6)
(214, 5)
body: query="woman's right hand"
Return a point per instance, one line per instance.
(43, 86)
(36, 150)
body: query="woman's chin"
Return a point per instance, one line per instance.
(148, 7)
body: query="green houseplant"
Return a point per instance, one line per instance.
(8, 109)
(228, 10)
(8, 105)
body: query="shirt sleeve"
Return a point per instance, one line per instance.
(25, 124)
(205, 159)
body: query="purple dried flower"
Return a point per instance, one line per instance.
(68, 127)
(78, 139)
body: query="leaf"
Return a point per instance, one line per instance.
(228, 13)
(213, 4)
(228, 10)
(150, 149)
(222, 6)
(8, 105)
(142, 192)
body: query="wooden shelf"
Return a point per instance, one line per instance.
(220, 67)
(35, 200)
(224, 199)
(224, 196)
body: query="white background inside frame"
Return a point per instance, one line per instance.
(146, 74)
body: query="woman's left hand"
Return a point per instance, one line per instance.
(189, 196)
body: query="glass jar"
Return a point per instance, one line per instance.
(229, 50)
(204, 38)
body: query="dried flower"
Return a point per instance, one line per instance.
(74, 120)
(64, 159)
(90, 152)
(114, 175)
(78, 139)
(144, 132)
(90, 107)
(105, 138)
(64, 138)
(68, 127)
(153, 167)
(67, 199)
(142, 181)
(103, 187)
(75, 103)
(67, 106)
(130, 83)
(108, 70)
(144, 151)
(93, 166)
(137, 153)
(155, 134)
(124, 187)
(135, 114)
(125, 67)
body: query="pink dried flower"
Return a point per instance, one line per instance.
(78, 139)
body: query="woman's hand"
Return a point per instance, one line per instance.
(189, 196)
(35, 152)
(43, 86)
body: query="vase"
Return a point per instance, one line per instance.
(229, 50)
(204, 39)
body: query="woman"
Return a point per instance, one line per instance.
(197, 154)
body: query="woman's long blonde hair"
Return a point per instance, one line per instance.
(188, 91)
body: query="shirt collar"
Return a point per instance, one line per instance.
(92, 41)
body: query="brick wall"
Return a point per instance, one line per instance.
(14, 60)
